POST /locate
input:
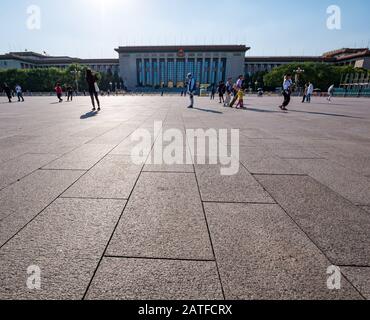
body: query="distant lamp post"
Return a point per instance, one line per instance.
(298, 72)
(76, 74)
(111, 86)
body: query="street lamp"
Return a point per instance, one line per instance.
(298, 72)
(76, 73)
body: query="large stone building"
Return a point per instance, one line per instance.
(359, 58)
(167, 66)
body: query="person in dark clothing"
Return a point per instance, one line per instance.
(93, 88)
(221, 91)
(8, 92)
(69, 93)
(213, 91)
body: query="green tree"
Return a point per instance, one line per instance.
(322, 75)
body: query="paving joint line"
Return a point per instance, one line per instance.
(309, 238)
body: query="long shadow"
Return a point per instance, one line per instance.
(209, 111)
(88, 115)
(55, 103)
(262, 110)
(326, 114)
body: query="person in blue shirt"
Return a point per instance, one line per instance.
(191, 89)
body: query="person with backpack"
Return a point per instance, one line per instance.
(18, 90)
(228, 91)
(8, 92)
(69, 93)
(191, 89)
(287, 91)
(93, 88)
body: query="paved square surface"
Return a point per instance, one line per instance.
(99, 225)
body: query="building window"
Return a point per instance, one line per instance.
(190, 67)
(222, 70)
(140, 72)
(199, 70)
(162, 73)
(180, 73)
(148, 78)
(171, 72)
(206, 70)
(155, 72)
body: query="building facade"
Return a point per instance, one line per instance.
(359, 58)
(167, 66)
(32, 60)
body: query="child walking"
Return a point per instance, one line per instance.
(59, 92)
(240, 95)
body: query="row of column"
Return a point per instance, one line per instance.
(206, 70)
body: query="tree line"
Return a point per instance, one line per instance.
(44, 80)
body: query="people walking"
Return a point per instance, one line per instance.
(18, 90)
(238, 86)
(310, 89)
(93, 88)
(213, 91)
(228, 92)
(331, 92)
(7, 91)
(305, 93)
(59, 92)
(191, 89)
(221, 91)
(240, 104)
(69, 93)
(287, 91)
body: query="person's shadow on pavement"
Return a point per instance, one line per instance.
(88, 115)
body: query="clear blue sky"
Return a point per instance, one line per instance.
(93, 28)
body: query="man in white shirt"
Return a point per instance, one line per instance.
(309, 92)
(238, 86)
(18, 90)
(287, 91)
(191, 89)
(331, 92)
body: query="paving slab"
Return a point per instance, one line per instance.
(112, 178)
(163, 219)
(82, 158)
(66, 242)
(140, 279)
(367, 208)
(351, 185)
(260, 160)
(360, 278)
(22, 201)
(240, 187)
(262, 254)
(340, 229)
(15, 169)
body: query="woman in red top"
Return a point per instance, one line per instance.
(59, 91)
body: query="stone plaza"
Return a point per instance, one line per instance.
(95, 225)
